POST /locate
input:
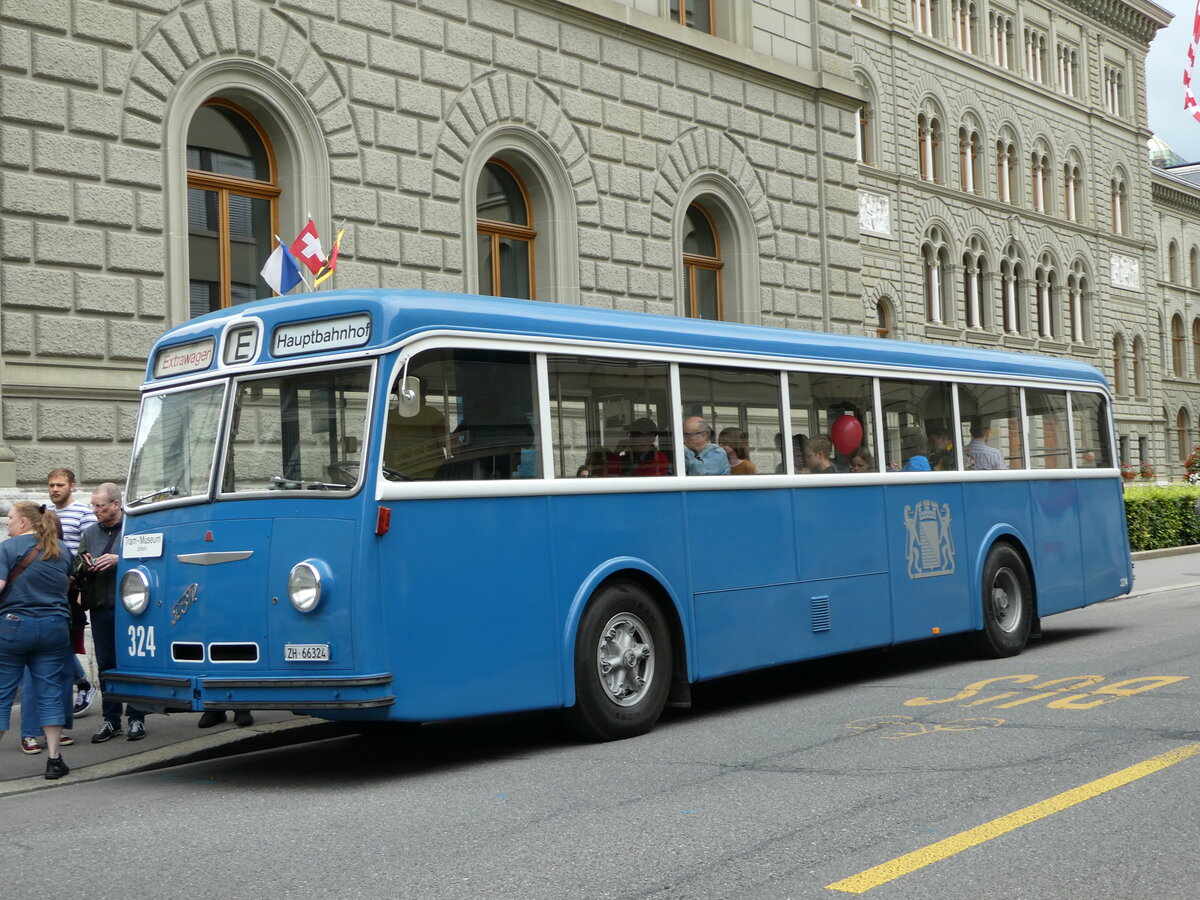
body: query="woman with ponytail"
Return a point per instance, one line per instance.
(35, 621)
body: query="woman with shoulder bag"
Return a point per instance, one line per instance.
(35, 621)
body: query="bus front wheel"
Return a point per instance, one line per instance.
(1007, 604)
(623, 662)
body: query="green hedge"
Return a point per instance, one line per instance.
(1161, 516)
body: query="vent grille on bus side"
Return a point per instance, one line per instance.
(233, 653)
(820, 613)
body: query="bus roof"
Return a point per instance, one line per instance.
(396, 315)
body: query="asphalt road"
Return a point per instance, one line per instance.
(1070, 771)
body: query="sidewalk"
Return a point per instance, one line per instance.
(170, 740)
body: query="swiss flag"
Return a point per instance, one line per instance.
(307, 248)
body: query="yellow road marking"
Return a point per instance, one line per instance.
(918, 859)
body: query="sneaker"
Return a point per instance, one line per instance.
(137, 731)
(107, 732)
(30, 745)
(66, 740)
(84, 699)
(56, 768)
(212, 717)
(242, 718)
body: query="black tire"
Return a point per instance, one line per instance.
(1007, 596)
(623, 664)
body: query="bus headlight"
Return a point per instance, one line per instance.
(304, 587)
(135, 591)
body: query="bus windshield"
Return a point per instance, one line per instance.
(175, 444)
(301, 431)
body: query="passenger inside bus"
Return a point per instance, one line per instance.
(639, 453)
(600, 463)
(862, 461)
(701, 456)
(816, 455)
(736, 444)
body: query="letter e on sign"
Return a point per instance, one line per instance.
(241, 344)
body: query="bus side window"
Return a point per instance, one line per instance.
(1092, 449)
(990, 428)
(918, 426)
(610, 418)
(818, 401)
(477, 419)
(1049, 441)
(742, 408)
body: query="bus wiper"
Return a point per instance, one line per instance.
(160, 494)
(297, 484)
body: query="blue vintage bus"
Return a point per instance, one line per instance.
(410, 506)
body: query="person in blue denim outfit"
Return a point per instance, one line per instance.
(35, 624)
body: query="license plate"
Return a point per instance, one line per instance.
(306, 652)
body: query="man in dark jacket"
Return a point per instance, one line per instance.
(99, 552)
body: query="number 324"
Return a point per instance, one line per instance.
(141, 640)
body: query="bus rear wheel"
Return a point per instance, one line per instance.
(623, 662)
(1007, 604)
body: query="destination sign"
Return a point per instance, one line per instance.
(183, 358)
(321, 336)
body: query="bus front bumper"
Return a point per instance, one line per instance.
(165, 693)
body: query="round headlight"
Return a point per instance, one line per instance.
(135, 591)
(304, 587)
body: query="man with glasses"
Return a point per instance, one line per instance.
(701, 456)
(99, 552)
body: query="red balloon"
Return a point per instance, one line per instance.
(847, 434)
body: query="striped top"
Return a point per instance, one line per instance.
(74, 518)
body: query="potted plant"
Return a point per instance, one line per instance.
(1146, 471)
(1128, 472)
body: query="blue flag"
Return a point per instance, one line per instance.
(281, 271)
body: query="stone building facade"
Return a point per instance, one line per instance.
(617, 118)
(626, 125)
(1008, 200)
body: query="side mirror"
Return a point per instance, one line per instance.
(409, 397)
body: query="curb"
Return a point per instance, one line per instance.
(208, 746)
(1166, 551)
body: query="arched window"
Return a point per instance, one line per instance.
(1183, 428)
(702, 265)
(1196, 348)
(1118, 384)
(883, 318)
(865, 130)
(1012, 290)
(1173, 262)
(1006, 170)
(506, 235)
(1040, 177)
(1077, 300)
(1139, 367)
(1047, 313)
(935, 259)
(1072, 190)
(970, 159)
(974, 277)
(1120, 204)
(924, 15)
(964, 24)
(929, 136)
(232, 207)
(1177, 352)
(696, 14)
(1001, 34)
